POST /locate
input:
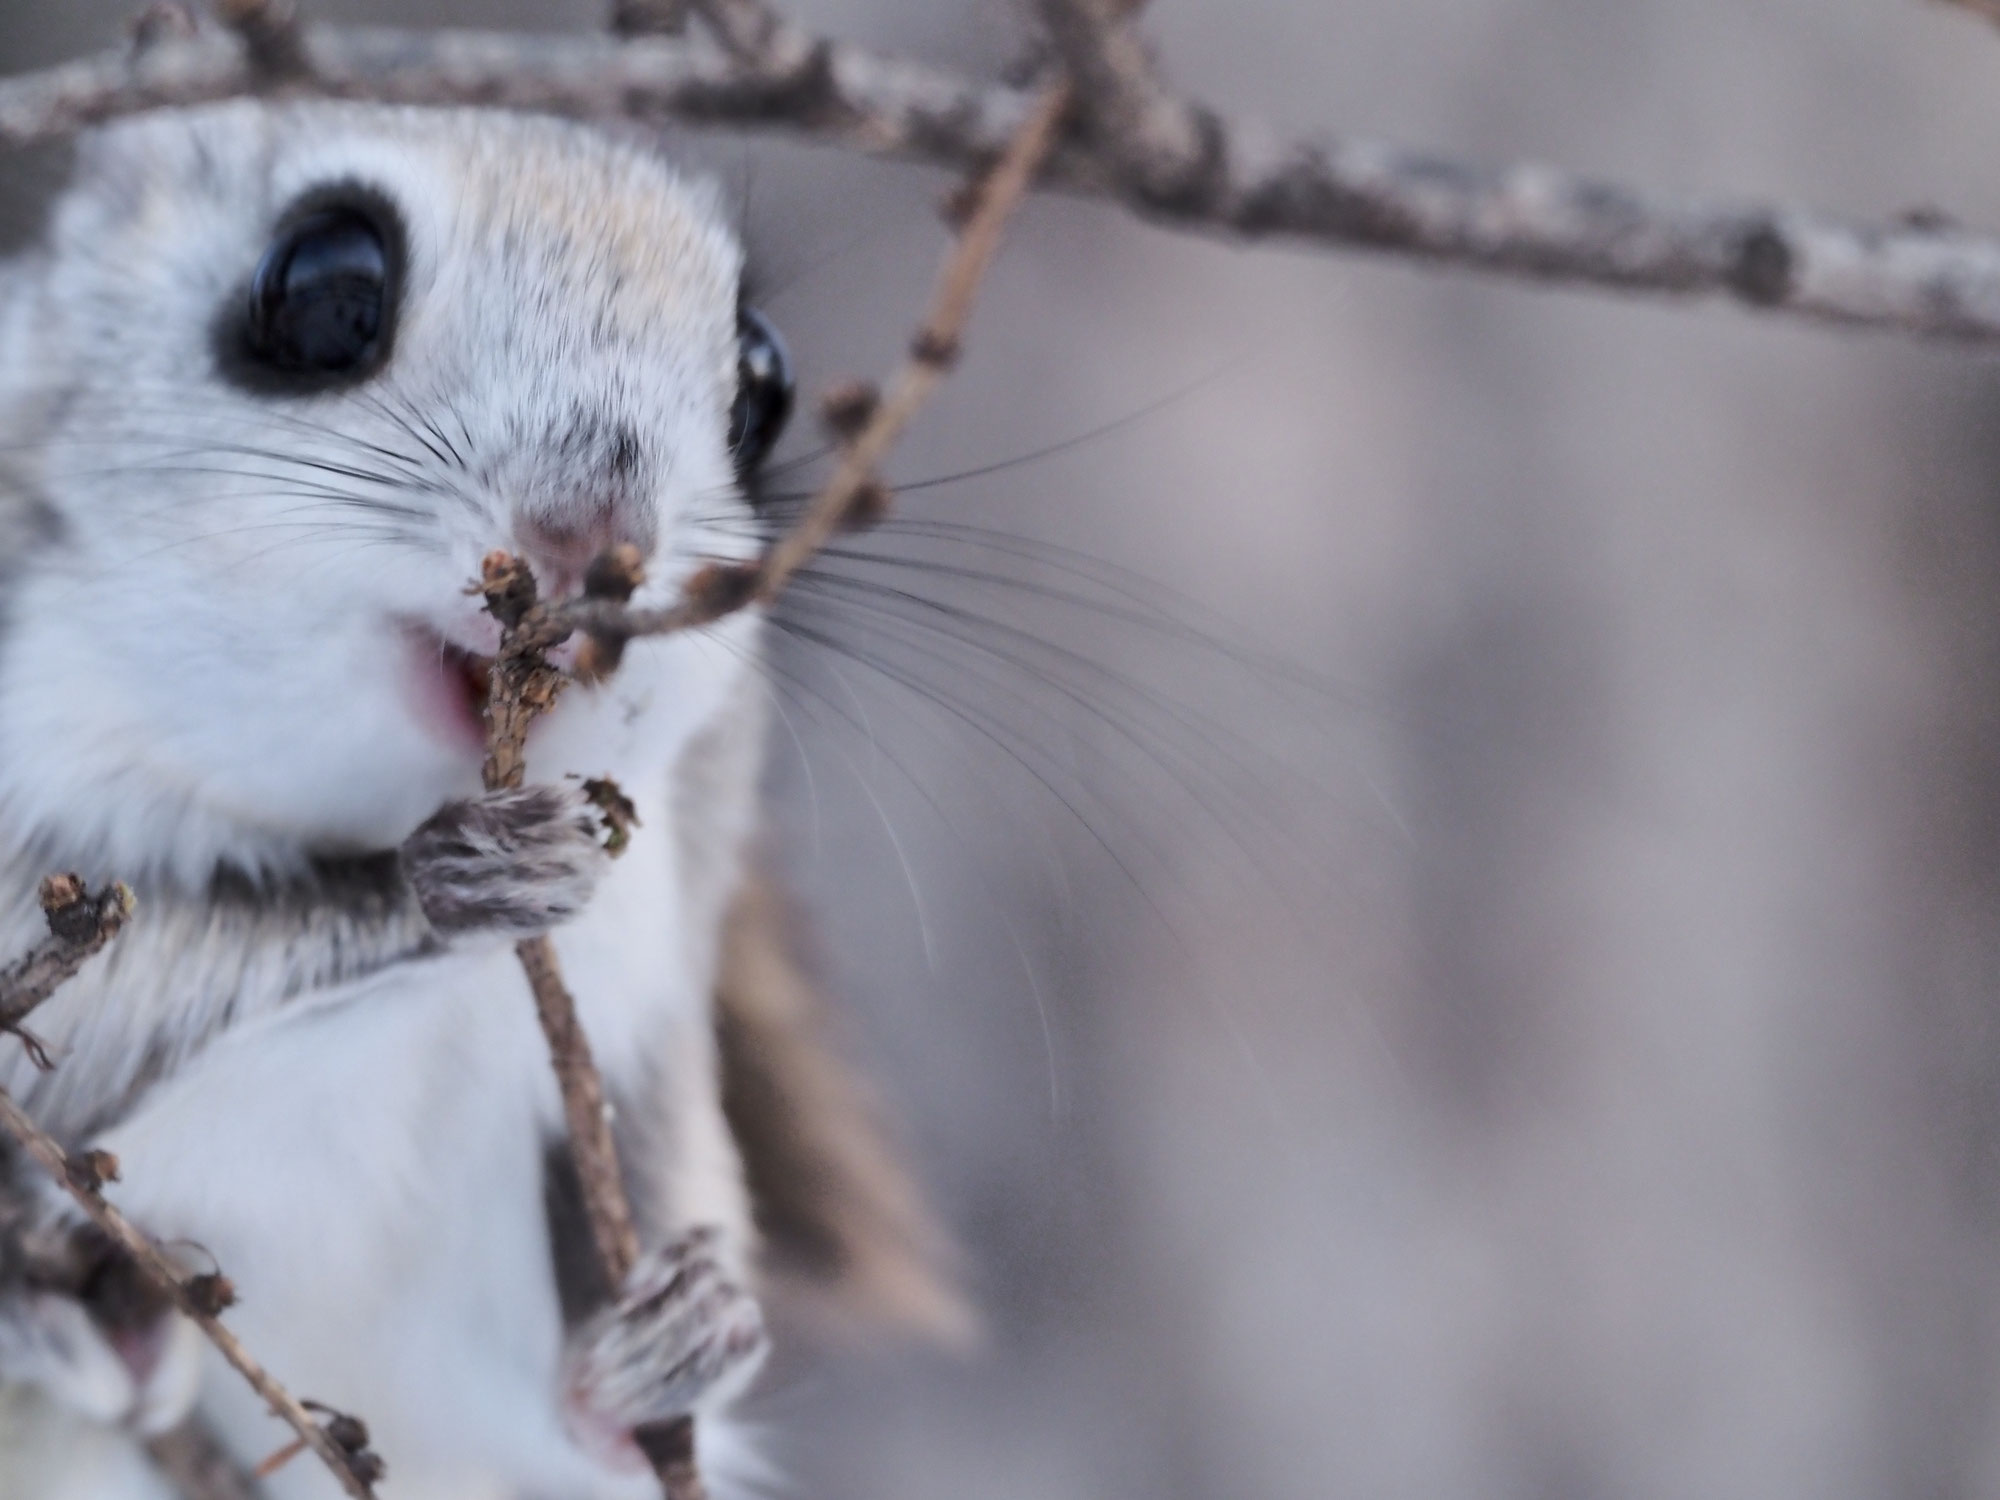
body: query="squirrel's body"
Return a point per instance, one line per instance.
(231, 604)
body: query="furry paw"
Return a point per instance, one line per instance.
(681, 1336)
(78, 1320)
(509, 864)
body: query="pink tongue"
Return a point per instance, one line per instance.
(141, 1348)
(446, 696)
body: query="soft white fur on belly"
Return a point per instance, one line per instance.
(47, 1453)
(367, 1168)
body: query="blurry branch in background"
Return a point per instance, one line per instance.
(1167, 158)
(1987, 8)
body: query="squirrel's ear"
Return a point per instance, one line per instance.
(848, 1244)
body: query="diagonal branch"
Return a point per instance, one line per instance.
(80, 926)
(1208, 173)
(200, 1297)
(933, 351)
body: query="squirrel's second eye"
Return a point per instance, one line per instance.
(320, 302)
(763, 390)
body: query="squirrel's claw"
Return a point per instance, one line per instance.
(681, 1335)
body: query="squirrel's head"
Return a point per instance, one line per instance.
(280, 378)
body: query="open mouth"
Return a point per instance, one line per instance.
(474, 675)
(452, 683)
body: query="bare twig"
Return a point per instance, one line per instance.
(932, 352)
(585, 1110)
(1199, 171)
(523, 687)
(196, 1296)
(80, 926)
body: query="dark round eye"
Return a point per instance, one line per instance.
(320, 302)
(763, 390)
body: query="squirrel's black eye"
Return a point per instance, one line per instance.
(320, 302)
(763, 390)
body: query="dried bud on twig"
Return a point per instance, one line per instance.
(90, 1170)
(615, 574)
(349, 1437)
(848, 408)
(870, 506)
(613, 578)
(212, 1292)
(509, 586)
(959, 206)
(619, 814)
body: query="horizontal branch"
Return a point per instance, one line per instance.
(1990, 9)
(1204, 172)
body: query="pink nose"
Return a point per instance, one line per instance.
(561, 552)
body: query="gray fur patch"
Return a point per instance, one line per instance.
(514, 863)
(680, 1331)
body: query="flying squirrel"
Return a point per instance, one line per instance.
(277, 379)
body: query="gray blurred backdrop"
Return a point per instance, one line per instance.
(1471, 970)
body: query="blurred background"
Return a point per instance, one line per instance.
(1420, 864)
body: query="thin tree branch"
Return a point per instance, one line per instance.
(201, 1298)
(933, 351)
(1206, 173)
(524, 685)
(80, 926)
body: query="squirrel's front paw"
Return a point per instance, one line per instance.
(81, 1322)
(509, 864)
(681, 1335)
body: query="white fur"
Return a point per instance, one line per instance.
(207, 668)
